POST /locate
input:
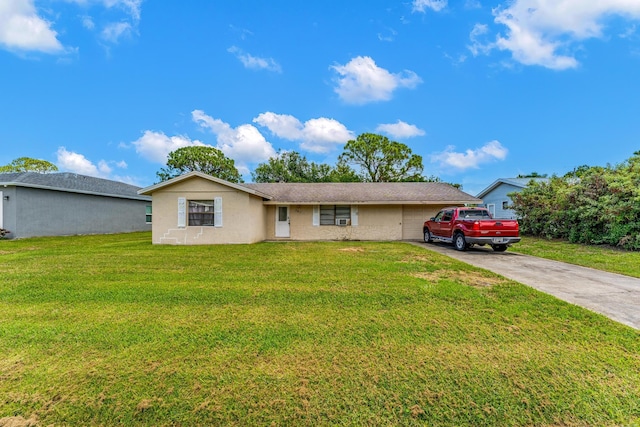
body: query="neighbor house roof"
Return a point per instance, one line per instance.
(516, 182)
(339, 193)
(71, 183)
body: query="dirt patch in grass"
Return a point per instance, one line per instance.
(465, 277)
(19, 421)
(351, 249)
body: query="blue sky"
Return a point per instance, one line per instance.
(480, 89)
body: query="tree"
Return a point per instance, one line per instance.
(382, 160)
(342, 172)
(27, 164)
(200, 158)
(593, 205)
(532, 175)
(291, 166)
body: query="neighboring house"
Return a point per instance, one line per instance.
(496, 199)
(196, 208)
(57, 204)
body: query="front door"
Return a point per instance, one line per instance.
(282, 221)
(1, 203)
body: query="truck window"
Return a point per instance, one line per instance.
(474, 214)
(446, 217)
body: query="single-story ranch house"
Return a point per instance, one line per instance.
(59, 204)
(196, 208)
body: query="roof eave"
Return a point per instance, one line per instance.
(69, 190)
(149, 190)
(374, 202)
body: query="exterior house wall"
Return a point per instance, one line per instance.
(251, 212)
(242, 215)
(498, 196)
(43, 212)
(375, 222)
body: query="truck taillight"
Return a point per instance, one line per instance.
(476, 225)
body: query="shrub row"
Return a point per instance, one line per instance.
(593, 205)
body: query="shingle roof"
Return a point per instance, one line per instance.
(516, 182)
(74, 183)
(364, 193)
(339, 193)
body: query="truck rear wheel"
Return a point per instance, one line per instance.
(459, 242)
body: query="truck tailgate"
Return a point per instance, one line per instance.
(499, 227)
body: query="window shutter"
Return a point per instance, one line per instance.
(217, 212)
(316, 215)
(182, 209)
(354, 216)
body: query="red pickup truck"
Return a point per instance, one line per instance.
(465, 227)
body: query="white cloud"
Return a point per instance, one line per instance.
(389, 36)
(319, 135)
(471, 159)
(244, 144)
(400, 130)
(322, 135)
(472, 4)
(156, 146)
(114, 31)
(541, 32)
(77, 163)
(254, 62)
(87, 22)
(363, 81)
(134, 7)
(22, 29)
(477, 46)
(281, 125)
(421, 5)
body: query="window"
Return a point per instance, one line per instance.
(447, 216)
(282, 213)
(474, 214)
(148, 214)
(201, 212)
(329, 215)
(505, 205)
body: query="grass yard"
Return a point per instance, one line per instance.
(599, 257)
(110, 330)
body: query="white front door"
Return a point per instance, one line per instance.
(282, 221)
(1, 203)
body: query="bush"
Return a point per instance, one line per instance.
(592, 205)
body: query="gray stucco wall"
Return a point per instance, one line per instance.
(31, 212)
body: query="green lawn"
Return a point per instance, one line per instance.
(599, 257)
(110, 330)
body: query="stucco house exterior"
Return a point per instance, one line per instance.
(58, 204)
(496, 199)
(196, 208)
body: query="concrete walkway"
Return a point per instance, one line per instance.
(614, 295)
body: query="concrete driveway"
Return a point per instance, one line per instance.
(614, 295)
